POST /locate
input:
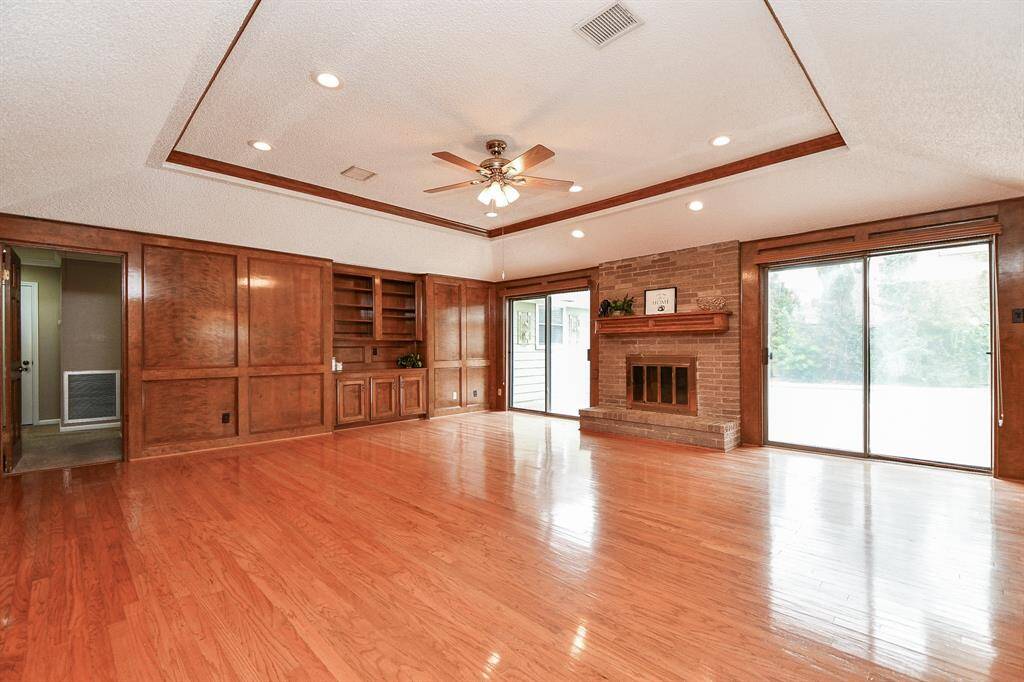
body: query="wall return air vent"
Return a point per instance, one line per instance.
(611, 23)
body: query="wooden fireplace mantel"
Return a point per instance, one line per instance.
(698, 322)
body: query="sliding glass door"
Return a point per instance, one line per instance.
(931, 373)
(884, 355)
(816, 355)
(549, 343)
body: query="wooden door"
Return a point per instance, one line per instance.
(11, 441)
(353, 401)
(412, 394)
(383, 398)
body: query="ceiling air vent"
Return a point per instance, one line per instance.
(608, 25)
(357, 173)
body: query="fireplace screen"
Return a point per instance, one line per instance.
(666, 383)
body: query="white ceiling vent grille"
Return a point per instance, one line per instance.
(357, 173)
(613, 22)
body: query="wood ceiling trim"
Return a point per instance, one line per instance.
(793, 151)
(241, 172)
(814, 146)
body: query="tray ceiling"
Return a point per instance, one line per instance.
(639, 111)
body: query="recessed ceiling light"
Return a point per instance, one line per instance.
(721, 141)
(491, 214)
(695, 205)
(328, 80)
(260, 145)
(579, 234)
(576, 188)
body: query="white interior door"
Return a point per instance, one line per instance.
(29, 353)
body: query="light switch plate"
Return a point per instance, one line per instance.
(455, 395)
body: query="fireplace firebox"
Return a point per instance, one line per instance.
(663, 383)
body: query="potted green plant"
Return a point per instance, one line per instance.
(410, 360)
(622, 306)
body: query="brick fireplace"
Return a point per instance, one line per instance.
(709, 414)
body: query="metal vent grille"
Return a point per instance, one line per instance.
(357, 173)
(92, 396)
(610, 24)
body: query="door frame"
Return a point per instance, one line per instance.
(864, 257)
(125, 370)
(510, 329)
(33, 348)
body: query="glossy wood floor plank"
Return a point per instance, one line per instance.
(507, 546)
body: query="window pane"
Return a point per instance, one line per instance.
(527, 355)
(570, 342)
(931, 392)
(816, 361)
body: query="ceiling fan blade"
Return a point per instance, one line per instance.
(457, 185)
(547, 183)
(531, 157)
(457, 160)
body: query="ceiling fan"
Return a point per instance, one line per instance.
(500, 176)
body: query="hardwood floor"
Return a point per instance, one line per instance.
(505, 546)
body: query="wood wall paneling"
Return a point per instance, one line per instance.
(183, 410)
(285, 402)
(187, 321)
(446, 311)
(1010, 437)
(189, 308)
(285, 313)
(477, 320)
(447, 388)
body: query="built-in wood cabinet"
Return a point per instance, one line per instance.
(353, 400)
(412, 394)
(381, 396)
(459, 344)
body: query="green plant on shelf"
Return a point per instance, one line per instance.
(410, 360)
(622, 306)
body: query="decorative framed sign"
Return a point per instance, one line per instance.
(659, 301)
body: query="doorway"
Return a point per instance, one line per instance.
(549, 344)
(63, 347)
(886, 355)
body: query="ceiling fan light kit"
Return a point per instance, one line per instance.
(503, 176)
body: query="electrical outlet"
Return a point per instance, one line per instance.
(476, 393)
(499, 392)
(375, 351)
(225, 418)
(455, 395)
(1018, 315)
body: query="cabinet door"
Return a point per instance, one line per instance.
(413, 395)
(383, 397)
(353, 401)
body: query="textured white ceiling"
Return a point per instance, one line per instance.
(421, 77)
(92, 96)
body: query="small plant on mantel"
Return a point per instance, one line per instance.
(622, 306)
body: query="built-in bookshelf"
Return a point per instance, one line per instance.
(353, 306)
(378, 316)
(398, 309)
